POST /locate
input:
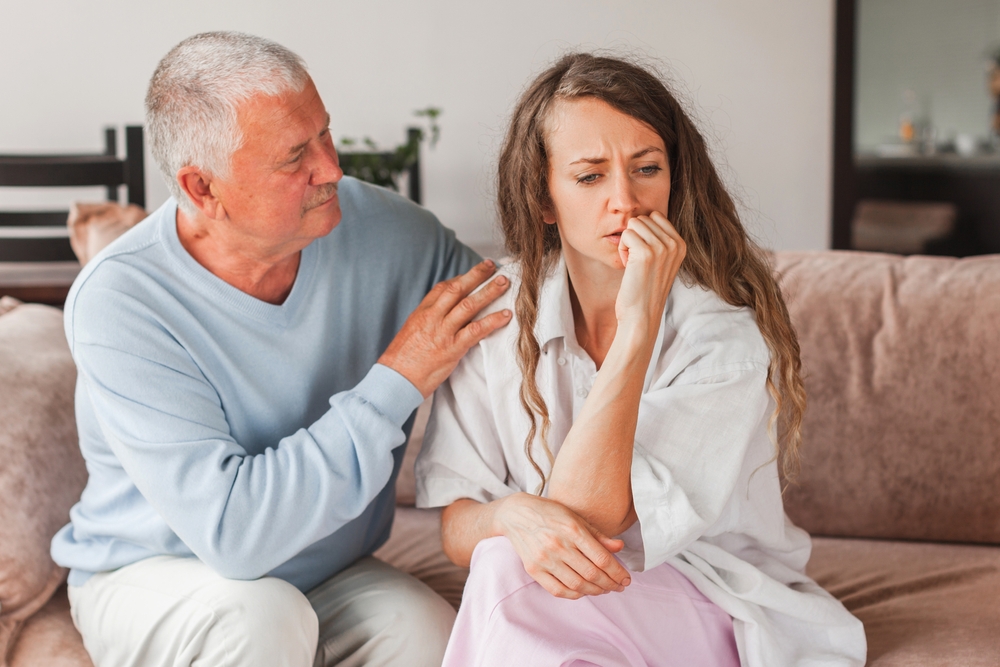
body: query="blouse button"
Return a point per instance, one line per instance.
(561, 361)
(581, 392)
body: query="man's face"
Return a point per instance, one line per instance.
(281, 192)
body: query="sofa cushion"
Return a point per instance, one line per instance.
(901, 360)
(415, 548)
(922, 604)
(93, 226)
(49, 638)
(43, 472)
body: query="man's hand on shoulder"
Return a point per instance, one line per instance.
(441, 330)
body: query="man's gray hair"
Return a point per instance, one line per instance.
(194, 95)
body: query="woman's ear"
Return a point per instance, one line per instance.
(548, 216)
(197, 185)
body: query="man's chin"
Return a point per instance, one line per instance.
(330, 213)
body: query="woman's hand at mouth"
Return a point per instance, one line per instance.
(652, 252)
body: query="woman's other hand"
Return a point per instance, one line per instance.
(652, 252)
(559, 549)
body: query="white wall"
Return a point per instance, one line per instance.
(758, 74)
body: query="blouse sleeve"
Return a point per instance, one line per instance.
(462, 456)
(692, 440)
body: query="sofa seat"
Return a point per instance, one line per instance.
(922, 603)
(49, 638)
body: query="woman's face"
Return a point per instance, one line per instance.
(605, 167)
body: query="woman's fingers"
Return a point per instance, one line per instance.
(609, 573)
(656, 231)
(555, 587)
(579, 583)
(553, 541)
(573, 571)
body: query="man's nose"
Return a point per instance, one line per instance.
(326, 167)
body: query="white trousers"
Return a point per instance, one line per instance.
(177, 612)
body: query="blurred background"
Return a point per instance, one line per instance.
(917, 157)
(757, 75)
(847, 124)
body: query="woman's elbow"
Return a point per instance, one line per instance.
(611, 516)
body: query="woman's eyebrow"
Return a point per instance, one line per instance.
(634, 156)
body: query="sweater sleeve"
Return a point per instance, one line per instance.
(241, 514)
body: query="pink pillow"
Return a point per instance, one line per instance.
(93, 226)
(42, 472)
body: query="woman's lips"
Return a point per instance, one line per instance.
(614, 237)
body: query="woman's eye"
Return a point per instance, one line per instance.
(589, 178)
(649, 170)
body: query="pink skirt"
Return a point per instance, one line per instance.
(660, 620)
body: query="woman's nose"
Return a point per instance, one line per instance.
(623, 195)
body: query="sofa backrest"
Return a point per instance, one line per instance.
(901, 358)
(41, 470)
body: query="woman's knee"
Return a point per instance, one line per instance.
(495, 554)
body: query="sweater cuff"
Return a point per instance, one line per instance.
(390, 393)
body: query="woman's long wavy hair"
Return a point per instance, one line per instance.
(720, 254)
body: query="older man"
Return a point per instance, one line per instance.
(247, 376)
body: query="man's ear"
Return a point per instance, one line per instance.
(197, 185)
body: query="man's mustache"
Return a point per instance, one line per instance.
(321, 196)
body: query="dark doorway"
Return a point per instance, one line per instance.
(970, 182)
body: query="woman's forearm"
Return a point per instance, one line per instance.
(463, 524)
(592, 473)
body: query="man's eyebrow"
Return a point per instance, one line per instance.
(297, 148)
(599, 160)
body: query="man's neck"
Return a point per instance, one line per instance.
(265, 274)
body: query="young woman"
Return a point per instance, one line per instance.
(609, 464)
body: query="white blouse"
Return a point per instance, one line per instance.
(704, 477)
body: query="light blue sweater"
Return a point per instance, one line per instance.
(262, 439)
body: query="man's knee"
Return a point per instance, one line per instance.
(167, 611)
(424, 618)
(263, 622)
(375, 614)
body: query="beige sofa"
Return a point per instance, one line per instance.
(900, 473)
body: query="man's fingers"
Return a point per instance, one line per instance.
(475, 331)
(466, 309)
(447, 294)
